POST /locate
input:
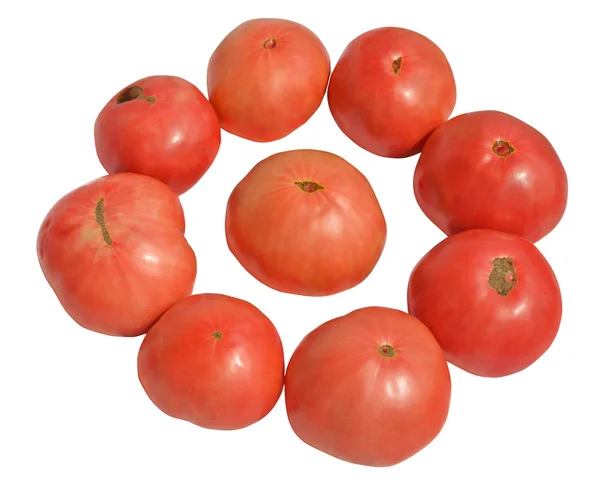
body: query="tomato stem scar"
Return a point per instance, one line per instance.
(308, 186)
(217, 335)
(502, 148)
(386, 351)
(101, 222)
(503, 276)
(270, 43)
(133, 93)
(397, 64)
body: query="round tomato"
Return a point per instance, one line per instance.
(115, 254)
(160, 126)
(306, 222)
(213, 360)
(371, 387)
(390, 89)
(490, 299)
(267, 78)
(489, 170)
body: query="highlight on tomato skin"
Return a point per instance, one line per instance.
(306, 222)
(491, 300)
(214, 361)
(267, 78)
(371, 387)
(490, 170)
(114, 253)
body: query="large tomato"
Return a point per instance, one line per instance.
(267, 78)
(160, 126)
(491, 300)
(115, 253)
(489, 170)
(306, 222)
(390, 89)
(371, 387)
(213, 360)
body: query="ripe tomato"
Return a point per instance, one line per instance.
(489, 170)
(267, 78)
(390, 89)
(490, 299)
(160, 126)
(306, 222)
(213, 360)
(114, 252)
(371, 387)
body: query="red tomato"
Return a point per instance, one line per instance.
(490, 299)
(267, 78)
(115, 254)
(160, 126)
(214, 361)
(306, 222)
(489, 170)
(371, 387)
(390, 89)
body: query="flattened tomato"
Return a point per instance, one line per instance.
(115, 253)
(390, 89)
(213, 360)
(267, 78)
(371, 387)
(490, 299)
(489, 170)
(306, 222)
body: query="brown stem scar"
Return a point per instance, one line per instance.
(503, 276)
(133, 93)
(217, 335)
(502, 148)
(386, 351)
(397, 64)
(102, 223)
(270, 43)
(308, 186)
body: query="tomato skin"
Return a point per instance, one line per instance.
(307, 243)
(386, 113)
(461, 183)
(213, 360)
(174, 139)
(265, 93)
(346, 399)
(120, 281)
(481, 330)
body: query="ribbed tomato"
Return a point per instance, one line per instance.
(267, 78)
(160, 126)
(490, 170)
(213, 360)
(306, 222)
(115, 254)
(491, 300)
(390, 89)
(371, 387)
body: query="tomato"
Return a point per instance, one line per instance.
(489, 170)
(390, 89)
(115, 254)
(371, 387)
(267, 78)
(491, 300)
(160, 126)
(306, 222)
(213, 360)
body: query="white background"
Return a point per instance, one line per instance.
(72, 412)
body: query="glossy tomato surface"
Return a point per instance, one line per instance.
(160, 126)
(371, 387)
(115, 254)
(490, 170)
(267, 78)
(306, 222)
(490, 299)
(390, 89)
(213, 360)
